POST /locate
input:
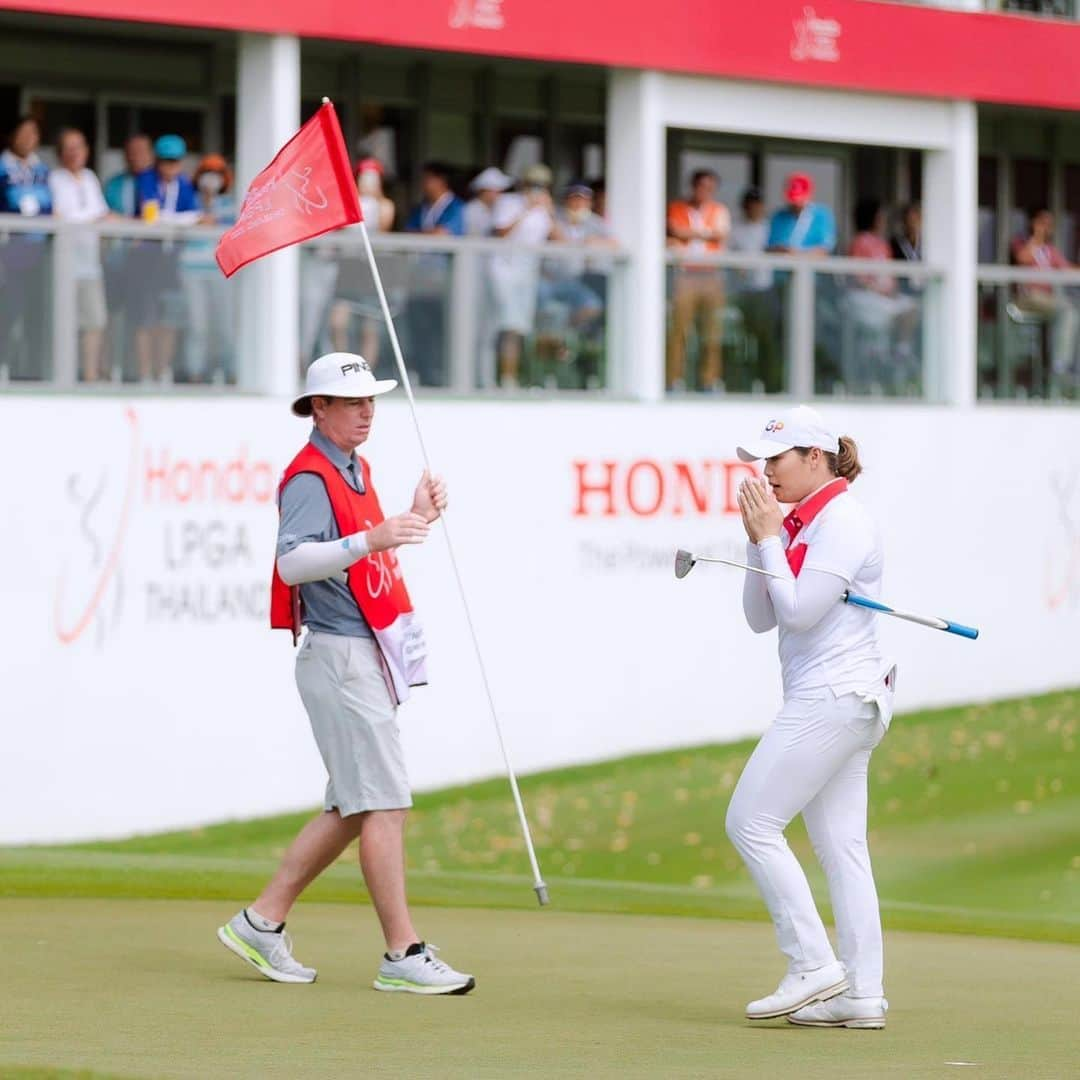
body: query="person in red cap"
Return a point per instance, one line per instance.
(802, 226)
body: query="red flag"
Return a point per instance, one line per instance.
(307, 190)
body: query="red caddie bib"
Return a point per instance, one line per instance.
(376, 581)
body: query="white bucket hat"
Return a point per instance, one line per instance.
(340, 374)
(491, 179)
(800, 426)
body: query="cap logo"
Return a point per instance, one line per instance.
(775, 425)
(362, 365)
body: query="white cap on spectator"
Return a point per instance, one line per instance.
(800, 426)
(491, 179)
(340, 374)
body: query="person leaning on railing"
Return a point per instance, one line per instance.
(24, 190)
(208, 297)
(1036, 251)
(78, 198)
(698, 224)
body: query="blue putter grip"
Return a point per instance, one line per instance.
(864, 601)
(958, 628)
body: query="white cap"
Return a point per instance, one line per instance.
(340, 374)
(801, 426)
(491, 179)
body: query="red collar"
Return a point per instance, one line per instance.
(804, 513)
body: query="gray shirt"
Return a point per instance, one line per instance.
(306, 515)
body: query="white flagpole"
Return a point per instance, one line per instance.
(538, 882)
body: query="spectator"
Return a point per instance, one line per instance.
(24, 177)
(24, 190)
(525, 218)
(1036, 251)
(355, 291)
(696, 225)
(209, 338)
(439, 213)
(756, 299)
(907, 243)
(164, 194)
(578, 285)
(487, 186)
(599, 187)
(876, 302)
(121, 191)
(802, 227)
(77, 197)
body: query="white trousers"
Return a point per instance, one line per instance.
(813, 760)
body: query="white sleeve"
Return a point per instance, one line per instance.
(756, 602)
(798, 602)
(508, 208)
(316, 560)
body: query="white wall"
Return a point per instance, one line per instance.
(159, 714)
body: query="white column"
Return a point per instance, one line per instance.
(635, 168)
(950, 231)
(267, 116)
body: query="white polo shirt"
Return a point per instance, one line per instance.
(823, 642)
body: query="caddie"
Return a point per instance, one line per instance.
(336, 573)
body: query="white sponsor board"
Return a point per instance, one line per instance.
(142, 688)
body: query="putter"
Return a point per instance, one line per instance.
(685, 562)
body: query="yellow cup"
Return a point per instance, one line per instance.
(150, 210)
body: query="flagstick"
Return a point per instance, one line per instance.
(538, 882)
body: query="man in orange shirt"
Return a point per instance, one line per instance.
(700, 224)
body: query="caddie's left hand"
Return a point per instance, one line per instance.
(430, 498)
(761, 512)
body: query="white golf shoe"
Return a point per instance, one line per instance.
(799, 989)
(420, 971)
(268, 952)
(843, 1011)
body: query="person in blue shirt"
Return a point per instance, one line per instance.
(24, 177)
(159, 323)
(121, 189)
(24, 190)
(167, 184)
(440, 213)
(802, 226)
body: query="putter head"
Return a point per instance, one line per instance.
(684, 563)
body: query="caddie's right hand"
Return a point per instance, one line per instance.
(407, 528)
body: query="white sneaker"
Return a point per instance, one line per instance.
(268, 952)
(420, 971)
(843, 1011)
(799, 989)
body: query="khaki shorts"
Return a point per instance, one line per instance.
(354, 721)
(90, 304)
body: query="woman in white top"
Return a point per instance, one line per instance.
(77, 197)
(838, 690)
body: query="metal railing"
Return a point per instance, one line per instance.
(1028, 334)
(804, 325)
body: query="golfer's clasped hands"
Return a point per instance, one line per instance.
(413, 526)
(761, 513)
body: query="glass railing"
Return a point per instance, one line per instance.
(470, 314)
(123, 303)
(1028, 334)
(803, 326)
(113, 303)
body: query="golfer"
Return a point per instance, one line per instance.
(337, 573)
(838, 702)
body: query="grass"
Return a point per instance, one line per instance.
(972, 822)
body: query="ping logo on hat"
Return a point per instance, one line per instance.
(358, 365)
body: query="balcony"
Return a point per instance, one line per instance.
(143, 308)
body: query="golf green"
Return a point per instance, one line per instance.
(139, 988)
